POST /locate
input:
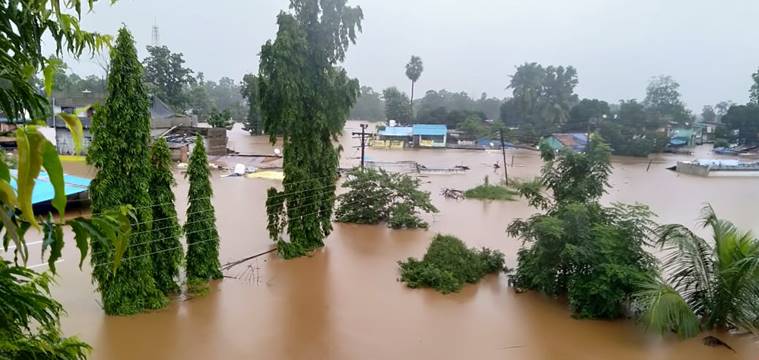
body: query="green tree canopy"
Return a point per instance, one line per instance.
(592, 254)
(663, 102)
(306, 98)
(167, 76)
(542, 99)
(166, 249)
(397, 105)
(120, 152)
(586, 111)
(200, 229)
(250, 93)
(744, 119)
(220, 119)
(369, 106)
(754, 90)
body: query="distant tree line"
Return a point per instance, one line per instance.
(167, 77)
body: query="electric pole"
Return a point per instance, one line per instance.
(363, 142)
(503, 152)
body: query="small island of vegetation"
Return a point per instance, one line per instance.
(449, 264)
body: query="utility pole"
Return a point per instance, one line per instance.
(363, 142)
(503, 152)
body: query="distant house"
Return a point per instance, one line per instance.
(393, 137)
(573, 141)
(682, 137)
(430, 135)
(163, 119)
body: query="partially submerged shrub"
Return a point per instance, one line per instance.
(376, 196)
(488, 191)
(449, 264)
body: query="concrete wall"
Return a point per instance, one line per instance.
(65, 142)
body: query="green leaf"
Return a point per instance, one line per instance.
(75, 127)
(5, 172)
(82, 236)
(52, 164)
(7, 194)
(53, 237)
(29, 164)
(51, 67)
(11, 233)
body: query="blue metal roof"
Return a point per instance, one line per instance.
(430, 129)
(395, 131)
(43, 189)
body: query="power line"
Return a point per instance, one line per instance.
(359, 200)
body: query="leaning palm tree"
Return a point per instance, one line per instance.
(709, 284)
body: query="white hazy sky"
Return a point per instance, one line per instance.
(708, 46)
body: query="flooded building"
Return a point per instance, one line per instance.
(162, 119)
(574, 141)
(393, 137)
(430, 135)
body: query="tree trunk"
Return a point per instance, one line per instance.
(412, 100)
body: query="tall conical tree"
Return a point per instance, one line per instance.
(119, 150)
(200, 228)
(305, 97)
(166, 248)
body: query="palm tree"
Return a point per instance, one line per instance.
(709, 284)
(414, 70)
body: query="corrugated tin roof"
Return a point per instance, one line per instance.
(396, 131)
(430, 129)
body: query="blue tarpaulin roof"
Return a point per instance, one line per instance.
(430, 129)
(43, 189)
(395, 131)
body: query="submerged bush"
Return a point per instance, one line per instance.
(376, 196)
(487, 191)
(449, 264)
(592, 254)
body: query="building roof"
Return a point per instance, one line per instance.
(44, 191)
(574, 141)
(430, 129)
(400, 131)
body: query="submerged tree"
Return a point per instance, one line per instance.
(709, 284)
(166, 248)
(306, 98)
(250, 92)
(119, 150)
(200, 229)
(590, 253)
(377, 196)
(448, 265)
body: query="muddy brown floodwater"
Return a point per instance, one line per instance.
(345, 302)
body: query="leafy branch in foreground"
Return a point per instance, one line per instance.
(449, 264)
(709, 284)
(376, 196)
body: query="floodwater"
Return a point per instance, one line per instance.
(345, 302)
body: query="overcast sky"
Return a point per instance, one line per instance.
(709, 47)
